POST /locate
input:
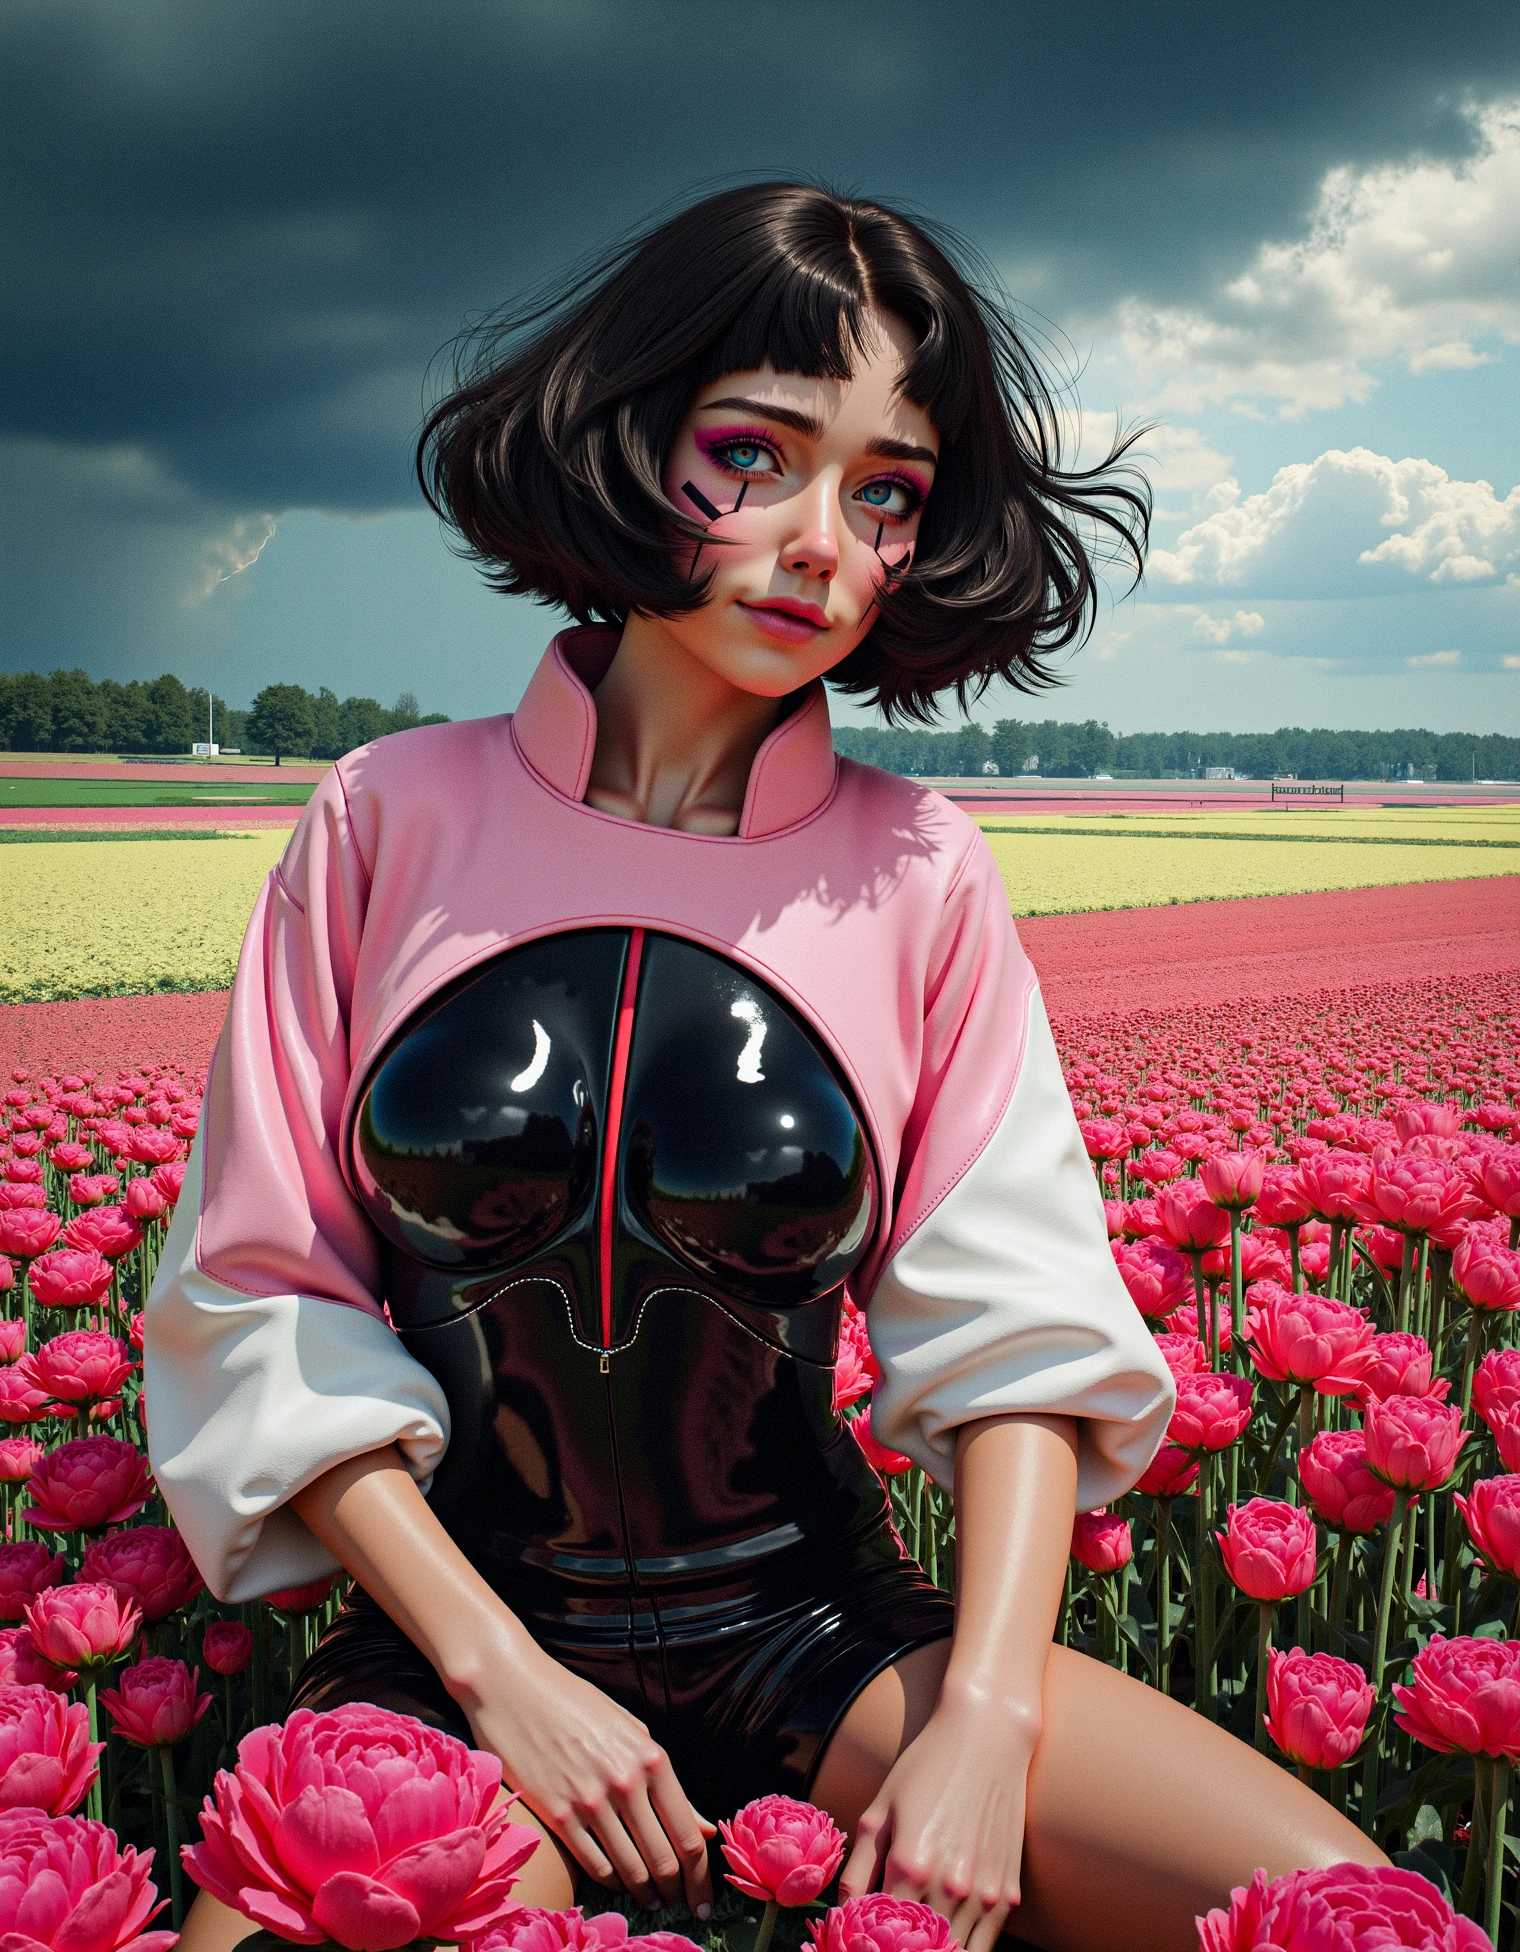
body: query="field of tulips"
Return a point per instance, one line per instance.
(1314, 1201)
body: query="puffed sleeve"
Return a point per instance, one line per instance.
(997, 1291)
(267, 1355)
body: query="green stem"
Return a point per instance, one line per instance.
(1406, 1269)
(95, 1804)
(1380, 1650)
(1498, 1812)
(1163, 1593)
(1477, 1831)
(1298, 1266)
(1305, 1436)
(767, 1924)
(171, 1825)
(1345, 1546)
(1470, 1357)
(1263, 1648)
(1203, 1586)
(1208, 1329)
(1237, 1297)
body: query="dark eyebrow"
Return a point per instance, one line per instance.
(806, 423)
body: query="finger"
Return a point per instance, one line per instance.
(906, 1873)
(651, 1842)
(627, 1862)
(586, 1851)
(986, 1930)
(863, 1865)
(688, 1832)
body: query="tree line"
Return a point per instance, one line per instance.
(69, 711)
(1065, 750)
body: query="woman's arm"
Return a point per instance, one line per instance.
(947, 1825)
(591, 1771)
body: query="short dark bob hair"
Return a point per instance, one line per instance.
(546, 456)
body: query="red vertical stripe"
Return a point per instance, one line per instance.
(615, 1091)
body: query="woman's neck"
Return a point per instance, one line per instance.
(674, 741)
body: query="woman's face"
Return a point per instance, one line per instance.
(812, 491)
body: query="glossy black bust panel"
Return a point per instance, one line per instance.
(619, 1184)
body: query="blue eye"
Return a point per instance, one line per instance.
(877, 493)
(745, 454)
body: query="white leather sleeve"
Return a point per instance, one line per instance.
(250, 1397)
(1006, 1297)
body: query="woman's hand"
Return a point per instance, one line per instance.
(947, 1826)
(585, 1767)
(596, 1776)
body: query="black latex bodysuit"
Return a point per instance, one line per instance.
(619, 1185)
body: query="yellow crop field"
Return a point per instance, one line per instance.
(121, 918)
(1051, 873)
(1461, 826)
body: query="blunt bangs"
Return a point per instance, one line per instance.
(545, 456)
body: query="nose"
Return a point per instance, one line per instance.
(813, 547)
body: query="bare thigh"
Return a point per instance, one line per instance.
(547, 1879)
(1141, 1815)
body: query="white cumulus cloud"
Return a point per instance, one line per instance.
(1416, 261)
(1219, 630)
(1349, 523)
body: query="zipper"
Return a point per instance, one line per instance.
(618, 1084)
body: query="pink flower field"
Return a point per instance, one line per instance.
(1304, 1116)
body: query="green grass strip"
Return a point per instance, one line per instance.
(20, 836)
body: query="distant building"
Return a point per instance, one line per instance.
(204, 749)
(1220, 772)
(990, 766)
(1032, 763)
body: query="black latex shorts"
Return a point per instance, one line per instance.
(742, 1684)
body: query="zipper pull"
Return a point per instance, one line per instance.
(606, 1365)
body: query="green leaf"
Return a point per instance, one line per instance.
(1426, 1865)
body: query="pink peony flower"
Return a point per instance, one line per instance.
(144, 1201)
(363, 1827)
(1492, 1514)
(19, 1457)
(1269, 1549)
(87, 1484)
(781, 1851)
(27, 1568)
(1212, 1411)
(1158, 1278)
(1280, 1203)
(20, 1398)
(80, 1366)
(1348, 1908)
(303, 1599)
(877, 1923)
(1329, 1183)
(1333, 1471)
(65, 1883)
(1189, 1218)
(83, 1626)
(1303, 1339)
(1487, 1272)
(93, 1189)
(1317, 1707)
(1463, 1695)
(154, 1702)
(1101, 1541)
(227, 1647)
(169, 1179)
(1412, 1442)
(1233, 1180)
(1170, 1472)
(1416, 1195)
(12, 1341)
(887, 1462)
(22, 1666)
(527, 1929)
(47, 1760)
(1399, 1365)
(71, 1277)
(150, 1564)
(1496, 1384)
(1184, 1355)
(110, 1230)
(26, 1232)
(856, 1369)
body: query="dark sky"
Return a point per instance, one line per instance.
(239, 235)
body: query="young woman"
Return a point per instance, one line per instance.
(579, 1061)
